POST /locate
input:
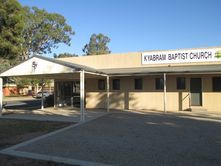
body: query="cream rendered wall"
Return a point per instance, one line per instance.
(129, 98)
(107, 61)
(148, 98)
(125, 60)
(97, 98)
(211, 100)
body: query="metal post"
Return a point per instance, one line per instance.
(82, 115)
(55, 94)
(108, 94)
(42, 95)
(72, 95)
(165, 91)
(1, 96)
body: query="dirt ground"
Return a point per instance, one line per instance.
(16, 131)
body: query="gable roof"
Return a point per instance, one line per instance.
(39, 65)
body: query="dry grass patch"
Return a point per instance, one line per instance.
(16, 131)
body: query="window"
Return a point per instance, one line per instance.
(180, 83)
(138, 83)
(101, 84)
(217, 84)
(116, 84)
(159, 83)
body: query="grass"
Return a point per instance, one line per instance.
(16, 131)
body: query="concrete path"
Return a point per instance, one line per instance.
(51, 114)
(131, 139)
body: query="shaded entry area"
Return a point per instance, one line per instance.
(67, 93)
(47, 68)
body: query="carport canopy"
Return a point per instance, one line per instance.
(47, 68)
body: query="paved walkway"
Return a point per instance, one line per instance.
(125, 138)
(51, 114)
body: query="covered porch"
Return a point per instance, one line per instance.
(42, 68)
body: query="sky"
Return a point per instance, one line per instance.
(138, 25)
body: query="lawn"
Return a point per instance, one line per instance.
(16, 131)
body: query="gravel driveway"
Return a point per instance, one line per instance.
(137, 139)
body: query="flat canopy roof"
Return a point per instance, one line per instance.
(201, 69)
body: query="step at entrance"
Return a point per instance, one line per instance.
(198, 109)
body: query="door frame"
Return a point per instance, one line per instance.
(201, 92)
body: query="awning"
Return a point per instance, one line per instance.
(190, 69)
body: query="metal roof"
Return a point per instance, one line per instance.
(74, 66)
(165, 69)
(198, 69)
(69, 64)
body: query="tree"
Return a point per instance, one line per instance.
(5, 64)
(44, 31)
(63, 55)
(97, 45)
(11, 27)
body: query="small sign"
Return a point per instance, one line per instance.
(182, 56)
(34, 66)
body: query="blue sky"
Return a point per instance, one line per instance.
(139, 25)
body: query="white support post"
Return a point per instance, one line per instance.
(165, 91)
(72, 95)
(1, 96)
(55, 93)
(42, 95)
(82, 115)
(108, 94)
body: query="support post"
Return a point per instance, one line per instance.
(165, 91)
(42, 95)
(82, 80)
(72, 94)
(108, 94)
(1, 96)
(55, 93)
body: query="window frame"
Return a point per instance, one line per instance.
(101, 84)
(214, 88)
(179, 83)
(138, 85)
(114, 84)
(159, 86)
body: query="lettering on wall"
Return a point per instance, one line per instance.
(160, 57)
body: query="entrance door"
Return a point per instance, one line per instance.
(64, 93)
(196, 91)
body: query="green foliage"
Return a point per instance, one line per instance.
(63, 55)
(44, 31)
(6, 64)
(97, 45)
(11, 27)
(22, 82)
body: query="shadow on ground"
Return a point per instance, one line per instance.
(125, 138)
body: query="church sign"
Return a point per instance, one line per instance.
(182, 56)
